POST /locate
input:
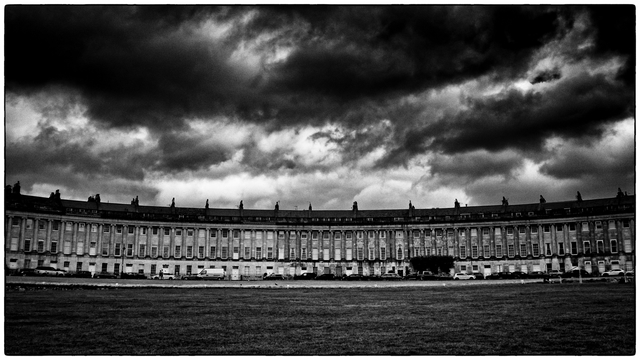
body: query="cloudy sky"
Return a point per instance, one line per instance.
(320, 104)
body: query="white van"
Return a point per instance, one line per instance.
(212, 274)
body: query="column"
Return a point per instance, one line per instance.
(23, 228)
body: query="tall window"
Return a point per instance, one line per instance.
(614, 245)
(371, 254)
(587, 247)
(189, 251)
(154, 251)
(116, 251)
(383, 253)
(247, 252)
(292, 253)
(269, 253)
(463, 252)
(535, 250)
(600, 245)
(177, 252)
(400, 254)
(487, 250)
(510, 250)
(560, 248)
(129, 249)
(165, 251)
(212, 252)
(201, 252)
(54, 246)
(105, 249)
(224, 254)
(142, 250)
(523, 249)
(303, 253)
(498, 250)
(574, 248)
(360, 254)
(547, 249)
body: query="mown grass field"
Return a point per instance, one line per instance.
(513, 319)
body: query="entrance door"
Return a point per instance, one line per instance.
(235, 273)
(487, 270)
(338, 271)
(587, 267)
(327, 270)
(92, 269)
(601, 266)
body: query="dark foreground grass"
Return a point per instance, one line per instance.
(578, 319)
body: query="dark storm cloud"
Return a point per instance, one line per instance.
(463, 169)
(578, 163)
(148, 65)
(546, 76)
(183, 151)
(577, 107)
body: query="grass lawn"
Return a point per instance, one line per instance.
(510, 319)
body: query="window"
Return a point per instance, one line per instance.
(360, 254)
(177, 253)
(572, 227)
(41, 246)
(104, 267)
(165, 251)
(439, 251)
(547, 249)
(116, 268)
(129, 249)
(178, 232)
(600, 246)
(534, 229)
(625, 223)
(336, 236)
(189, 232)
(487, 251)
(510, 250)
(80, 226)
(463, 268)
(292, 253)
(154, 230)
(189, 251)
(587, 247)
(325, 235)
(614, 245)
(142, 252)
(383, 253)
(463, 252)
(269, 253)
(78, 266)
(522, 230)
(105, 249)
(400, 254)
(509, 231)
(428, 251)
(143, 230)
(474, 232)
(371, 254)
(116, 251)
(247, 252)
(131, 229)
(68, 226)
(523, 249)
(585, 226)
(27, 245)
(224, 254)
(598, 225)
(212, 233)
(560, 248)
(236, 252)
(201, 252)
(485, 231)
(166, 231)
(236, 234)
(416, 234)
(498, 250)
(118, 229)
(41, 225)
(546, 228)
(535, 250)
(303, 253)
(348, 235)
(559, 228)
(574, 248)
(212, 252)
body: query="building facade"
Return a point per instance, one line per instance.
(596, 235)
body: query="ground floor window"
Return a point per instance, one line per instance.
(116, 269)
(78, 266)
(104, 267)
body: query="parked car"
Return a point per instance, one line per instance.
(46, 271)
(274, 277)
(576, 274)
(538, 275)
(354, 277)
(26, 272)
(305, 276)
(190, 277)
(131, 275)
(519, 275)
(105, 275)
(82, 274)
(165, 276)
(479, 276)
(555, 273)
(500, 275)
(630, 273)
(325, 277)
(60, 272)
(372, 277)
(617, 272)
(463, 276)
(390, 276)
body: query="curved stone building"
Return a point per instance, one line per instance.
(596, 235)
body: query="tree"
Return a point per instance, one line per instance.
(433, 263)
